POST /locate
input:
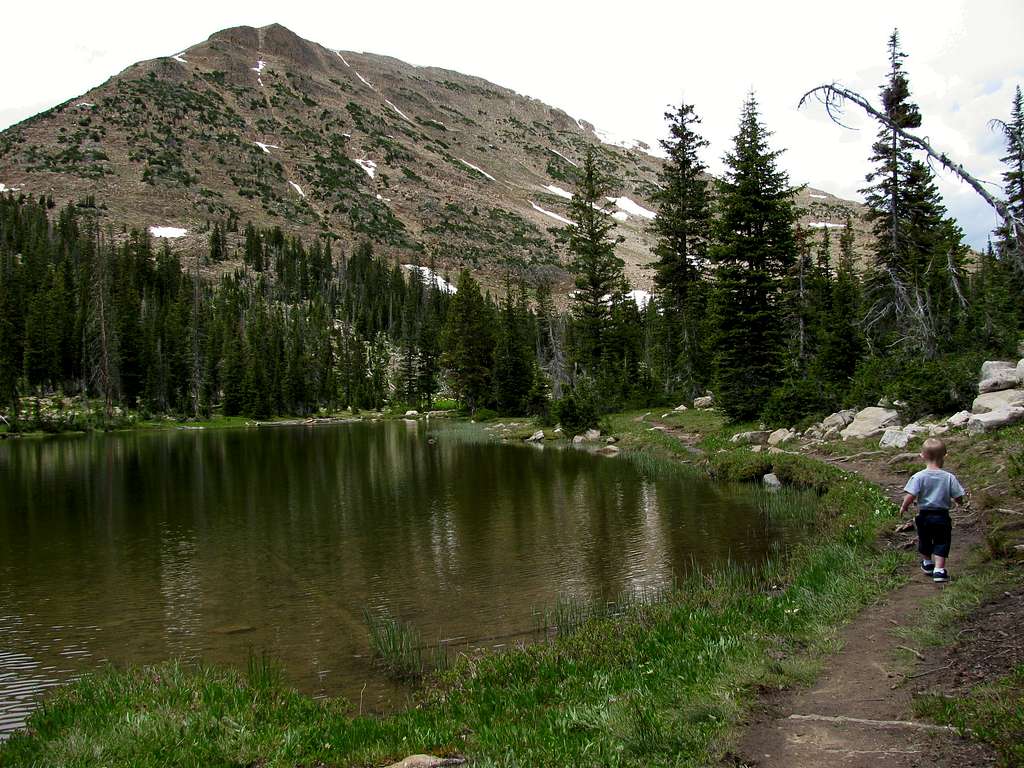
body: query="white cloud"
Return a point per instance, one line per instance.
(615, 69)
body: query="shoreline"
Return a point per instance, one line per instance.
(777, 622)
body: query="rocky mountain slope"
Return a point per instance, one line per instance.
(260, 125)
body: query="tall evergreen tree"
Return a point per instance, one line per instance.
(598, 272)
(468, 343)
(754, 249)
(683, 227)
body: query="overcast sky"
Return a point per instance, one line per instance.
(615, 64)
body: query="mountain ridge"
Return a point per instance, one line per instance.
(259, 124)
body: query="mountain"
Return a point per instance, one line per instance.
(261, 125)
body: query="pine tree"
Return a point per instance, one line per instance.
(513, 355)
(598, 272)
(754, 249)
(468, 344)
(683, 227)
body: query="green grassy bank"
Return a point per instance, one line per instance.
(663, 684)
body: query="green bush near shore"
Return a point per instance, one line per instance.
(661, 683)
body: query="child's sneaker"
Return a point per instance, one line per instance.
(940, 576)
(927, 566)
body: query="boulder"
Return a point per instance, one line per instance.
(986, 422)
(870, 422)
(611, 440)
(991, 367)
(771, 481)
(959, 419)
(756, 448)
(757, 437)
(411, 414)
(894, 437)
(682, 407)
(838, 420)
(703, 403)
(938, 429)
(997, 401)
(1008, 379)
(577, 439)
(639, 419)
(592, 434)
(780, 436)
(536, 437)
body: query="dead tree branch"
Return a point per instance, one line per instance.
(834, 97)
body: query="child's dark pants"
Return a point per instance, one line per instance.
(934, 532)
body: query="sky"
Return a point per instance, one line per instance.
(618, 65)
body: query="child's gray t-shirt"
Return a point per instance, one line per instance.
(933, 488)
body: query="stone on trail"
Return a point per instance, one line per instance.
(997, 401)
(870, 422)
(757, 437)
(986, 422)
(894, 437)
(780, 436)
(536, 437)
(771, 481)
(683, 407)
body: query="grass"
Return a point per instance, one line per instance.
(396, 645)
(649, 679)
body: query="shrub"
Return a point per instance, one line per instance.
(945, 385)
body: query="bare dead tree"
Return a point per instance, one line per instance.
(834, 97)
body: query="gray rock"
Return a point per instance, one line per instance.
(757, 437)
(996, 401)
(536, 437)
(839, 419)
(991, 367)
(1008, 379)
(608, 450)
(771, 481)
(986, 422)
(938, 429)
(780, 436)
(959, 419)
(682, 406)
(611, 440)
(592, 434)
(870, 422)
(703, 403)
(894, 437)
(411, 414)
(578, 439)
(427, 761)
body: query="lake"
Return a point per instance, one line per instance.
(216, 544)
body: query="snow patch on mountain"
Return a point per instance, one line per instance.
(180, 57)
(558, 191)
(171, 232)
(366, 82)
(632, 208)
(297, 188)
(641, 297)
(429, 277)
(342, 59)
(477, 169)
(266, 147)
(825, 225)
(5, 188)
(86, 104)
(570, 162)
(552, 214)
(400, 112)
(367, 165)
(620, 216)
(820, 197)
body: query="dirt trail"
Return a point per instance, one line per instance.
(858, 714)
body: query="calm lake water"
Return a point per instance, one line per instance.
(138, 547)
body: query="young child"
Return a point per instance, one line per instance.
(933, 488)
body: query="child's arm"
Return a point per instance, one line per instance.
(908, 502)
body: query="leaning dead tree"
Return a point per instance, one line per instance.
(835, 96)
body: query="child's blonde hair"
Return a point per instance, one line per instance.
(934, 450)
